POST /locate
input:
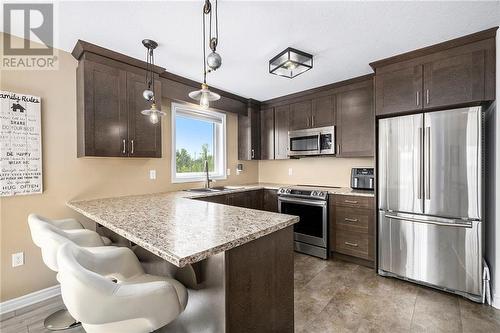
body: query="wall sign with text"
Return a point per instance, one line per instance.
(20, 144)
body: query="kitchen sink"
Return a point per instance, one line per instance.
(214, 189)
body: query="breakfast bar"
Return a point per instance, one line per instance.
(243, 257)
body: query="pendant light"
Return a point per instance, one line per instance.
(214, 60)
(153, 113)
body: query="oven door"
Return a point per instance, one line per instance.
(302, 143)
(312, 227)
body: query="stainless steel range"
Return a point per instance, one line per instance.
(311, 205)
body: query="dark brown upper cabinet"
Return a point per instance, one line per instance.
(110, 123)
(316, 112)
(454, 73)
(144, 137)
(267, 134)
(300, 115)
(281, 124)
(323, 111)
(102, 110)
(355, 120)
(399, 90)
(249, 133)
(456, 79)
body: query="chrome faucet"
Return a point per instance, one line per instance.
(208, 180)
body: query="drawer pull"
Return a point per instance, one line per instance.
(350, 220)
(351, 244)
(351, 201)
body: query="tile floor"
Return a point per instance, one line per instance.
(335, 296)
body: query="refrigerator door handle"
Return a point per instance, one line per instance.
(427, 170)
(452, 223)
(419, 180)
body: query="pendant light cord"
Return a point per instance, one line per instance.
(204, 52)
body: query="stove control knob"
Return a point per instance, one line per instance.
(288, 190)
(321, 194)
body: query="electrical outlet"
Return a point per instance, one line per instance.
(228, 172)
(290, 171)
(152, 174)
(17, 259)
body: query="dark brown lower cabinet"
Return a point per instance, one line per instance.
(264, 199)
(270, 200)
(352, 228)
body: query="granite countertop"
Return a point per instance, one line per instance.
(184, 231)
(178, 229)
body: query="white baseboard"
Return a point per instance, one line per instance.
(29, 299)
(495, 301)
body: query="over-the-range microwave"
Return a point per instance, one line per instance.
(312, 142)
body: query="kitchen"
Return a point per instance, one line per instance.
(116, 181)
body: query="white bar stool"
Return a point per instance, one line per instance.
(67, 230)
(137, 302)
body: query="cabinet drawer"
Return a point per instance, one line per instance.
(354, 201)
(352, 219)
(353, 244)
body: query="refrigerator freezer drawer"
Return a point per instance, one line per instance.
(445, 256)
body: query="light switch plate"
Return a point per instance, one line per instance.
(17, 259)
(228, 171)
(290, 171)
(152, 174)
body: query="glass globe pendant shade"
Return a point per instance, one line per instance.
(204, 95)
(153, 113)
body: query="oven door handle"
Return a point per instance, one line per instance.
(320, 203)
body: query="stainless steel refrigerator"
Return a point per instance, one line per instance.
(429, 199)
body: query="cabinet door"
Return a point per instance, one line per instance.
(399, 91)
(249, 135)
(102, 110)
(267, 134)
(300, 115)
(281, 123)
(355, 122)
(144, 136)
(323, 112)
(455, 80)
(270, 201)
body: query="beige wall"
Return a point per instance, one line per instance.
(324, 171)
(67, 177)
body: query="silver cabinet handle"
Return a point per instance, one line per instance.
(312, 120)
(253, 153)
(347, 219)
(132, 148)
(418, 98)
(124, 146)
(351, 201)
(351, 244)
(427, 96)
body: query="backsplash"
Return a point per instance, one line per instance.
(326, 171)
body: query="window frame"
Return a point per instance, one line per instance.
(219, 144)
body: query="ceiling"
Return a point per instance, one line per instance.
(343, 36)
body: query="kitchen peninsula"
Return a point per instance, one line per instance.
(243, 257)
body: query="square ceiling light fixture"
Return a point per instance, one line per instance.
(290, 63)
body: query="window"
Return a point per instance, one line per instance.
(197, 136)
